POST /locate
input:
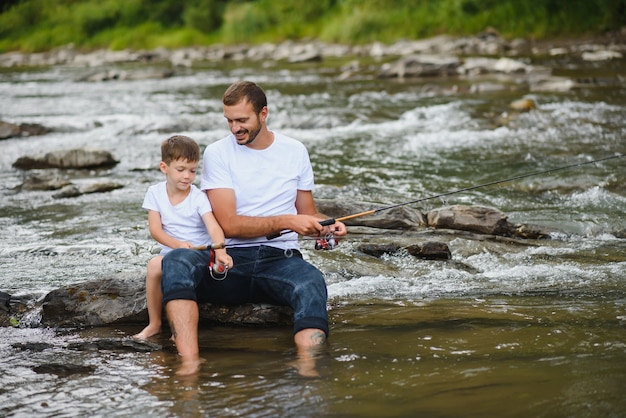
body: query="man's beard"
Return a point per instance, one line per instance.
(251, 136)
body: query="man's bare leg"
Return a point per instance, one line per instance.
(183, 319)
(309, 343)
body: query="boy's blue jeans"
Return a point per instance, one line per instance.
(260, 274)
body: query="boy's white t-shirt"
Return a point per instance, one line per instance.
(183, 221)
(265, 181)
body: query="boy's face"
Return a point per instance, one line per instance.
(180, 174)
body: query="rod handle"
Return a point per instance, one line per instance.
(325, 222)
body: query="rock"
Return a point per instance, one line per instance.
(5, 298)
(63, 369)
(115, 344)
(401, 217)
(378, 250)
(82, 158)
(427, 251)
(482, 65)
(71, 190)
(508, 65)
(122, 299)
(96, 303)
(620, 233)
(112, 75)
(604, 55)
(523, 105)
(430, 250)
(11, 130)
(309, 56)
(8, 130)
(421, 66)
(248, 314)
(529, 232)
(100, 187)
(479, 219)
(552, 84)
(44, 182)
(32, 346)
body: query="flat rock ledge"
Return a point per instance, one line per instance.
(120, 300)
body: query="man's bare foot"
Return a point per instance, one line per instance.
(189, 366)
(305, 367)
(147, 332)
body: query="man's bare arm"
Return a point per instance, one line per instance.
(224, 203)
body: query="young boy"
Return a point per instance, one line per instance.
(179, 216)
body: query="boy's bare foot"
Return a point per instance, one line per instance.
(147, 332)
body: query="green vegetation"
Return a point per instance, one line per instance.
(39, 25)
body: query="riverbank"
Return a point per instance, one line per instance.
(487, 43)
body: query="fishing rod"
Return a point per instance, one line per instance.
(331, 221)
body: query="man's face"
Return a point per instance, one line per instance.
(244, 124)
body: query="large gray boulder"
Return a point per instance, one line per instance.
(81, 158)
(478, 219)
(122, 300)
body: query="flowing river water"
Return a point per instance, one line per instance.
(502, 329)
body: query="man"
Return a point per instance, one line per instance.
(259, 183)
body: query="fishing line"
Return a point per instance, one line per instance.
(331, 221)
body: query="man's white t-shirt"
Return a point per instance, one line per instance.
(182, 221)
(265, 181)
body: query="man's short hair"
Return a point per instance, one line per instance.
(245, 90)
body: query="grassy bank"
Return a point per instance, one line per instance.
(38, 25)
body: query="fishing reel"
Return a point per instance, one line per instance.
(327, 242)
(216, 270)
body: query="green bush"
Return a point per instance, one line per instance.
(34, 25)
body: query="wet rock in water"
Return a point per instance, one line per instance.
(80, 158)
(44, 182)
(620, 233)
(100, 187)
(523, 105)
(4, 301)
(112, 74)
(12, 130)
(248, 314)
(72, 190)
(428, 251)
(378, 250)
(401, 217)
(122, 299)
(421, 66)
(530, 232)
(115, 344)
(478, 219)
(12, 308)
(32, 346)
(63, 369)
(604, 55)
(96, 303)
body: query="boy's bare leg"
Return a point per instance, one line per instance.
(153, 299)
(183, 318)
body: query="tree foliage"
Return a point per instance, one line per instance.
(34, 25)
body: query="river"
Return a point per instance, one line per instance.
(534, 329)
